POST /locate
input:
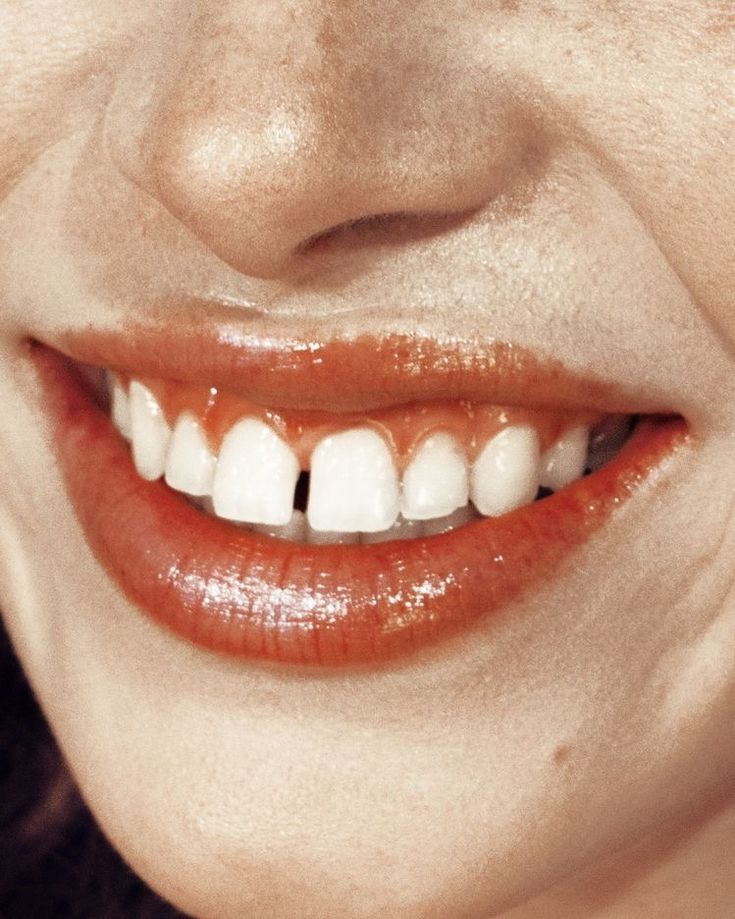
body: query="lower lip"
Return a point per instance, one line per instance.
(249, 596)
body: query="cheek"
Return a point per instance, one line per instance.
(58, 63)
(649, 91)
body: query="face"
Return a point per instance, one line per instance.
(316, 209)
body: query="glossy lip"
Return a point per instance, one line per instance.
(357, 374)
(247, 595)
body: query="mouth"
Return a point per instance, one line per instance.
(386, 495)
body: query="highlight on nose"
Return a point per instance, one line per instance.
(257, 162)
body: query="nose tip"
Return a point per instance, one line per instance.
(256, 190)
(257, 165)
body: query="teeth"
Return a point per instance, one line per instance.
(354, 490)
(294, 530)
(505, 475)
(120, 406)
(256, 475)
(436, 481)
(329, 537)
(190, 463)
(354, 485)
(456, 519)
(401, 529)
(565, 460)
(149, 431)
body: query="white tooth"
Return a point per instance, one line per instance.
(256, 475)
(401, 529)
(189, 462)
(330, 537)
(505, 474)
(149, 431)
(353, 485)
(120, 406)
(456, 519)
(294, 530)
(565, 460)
(436, 481)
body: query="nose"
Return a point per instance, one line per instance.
(282, 122)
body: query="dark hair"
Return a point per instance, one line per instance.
(54, 860)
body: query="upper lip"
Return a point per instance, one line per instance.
(355, 374)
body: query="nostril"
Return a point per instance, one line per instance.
(384, 229)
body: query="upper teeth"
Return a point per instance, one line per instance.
(565, 460)
(149, 431)
(436, 481)
(506, 473)
(256, 475)
(190, 464)
(355, 487)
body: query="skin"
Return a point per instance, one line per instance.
(566, 180)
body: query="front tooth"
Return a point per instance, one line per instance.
(506, 473)
(120, 406)
(294, 530)
(353, 485)
(436, 481)
(401, 529)
(149, 431)
(456, 519)
(330, 538)
(565, 460)
(256, 475)
(189, 461)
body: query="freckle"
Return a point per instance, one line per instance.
(562, 754)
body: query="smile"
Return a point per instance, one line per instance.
(322, 478)
(344, 527)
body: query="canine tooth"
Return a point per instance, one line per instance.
(294, 530)
(190, 463)
(401, 529)
(456, 519)
(353, 485)
(149, 431)
(256, 475)
(120, 406)
(505, 475)
(565, 460)
(436, 481)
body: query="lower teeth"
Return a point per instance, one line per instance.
(299, 531)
